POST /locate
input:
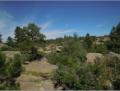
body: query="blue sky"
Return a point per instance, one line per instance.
(61, 17)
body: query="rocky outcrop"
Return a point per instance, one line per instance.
(91, 57)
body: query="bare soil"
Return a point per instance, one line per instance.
(37, 76)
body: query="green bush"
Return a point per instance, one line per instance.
(9, 70)
(14, 67)
(74, 73)
(99, 48)
(5, 48)
(33, 54)
(9, 85)
(2, 60)
(8, 48)
(114, 43)
(81, 77)
(73, 52)
(88, 42)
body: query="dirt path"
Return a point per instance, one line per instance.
(37, 76)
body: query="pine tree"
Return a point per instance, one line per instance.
(114, 44)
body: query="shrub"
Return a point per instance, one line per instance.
(114, 43)
(31, 55)
(9, 70)
(2, 60)
(68, 61)
(8, 48)
(80, 77)
(73, 52)
(99, 48)
(14, 67)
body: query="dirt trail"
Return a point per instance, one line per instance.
(37, 76)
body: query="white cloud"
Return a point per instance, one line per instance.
(6, 21)
(46, 25)
(4, 14)
(52, 34)
(55, 33)
(2, 25)
(99, 25)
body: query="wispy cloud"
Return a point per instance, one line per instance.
(46, 25)
(99, 26)
(2, 25)
(4, 14)
(52, 34)
(4, 19)
(6, 24)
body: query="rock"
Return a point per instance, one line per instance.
(114, 54)
(91, 57)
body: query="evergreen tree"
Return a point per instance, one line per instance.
(10, 42)
(114, 44)
(87, 42)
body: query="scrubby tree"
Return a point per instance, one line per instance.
(14, 67)
(75, 36)
(114, 43)
(28, 38)
(10, 42)
(30, 33)
(19, 34)
(87, 41)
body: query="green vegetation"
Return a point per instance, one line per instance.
(114, 43)
(10, 42)
(27, 40)
(74, 72)
(99, 48)
(9, 70)
(88, 42)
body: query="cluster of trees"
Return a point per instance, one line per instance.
(26, 35)
(75, 73)
(27, 39)
(111, 45)
(90, 44)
